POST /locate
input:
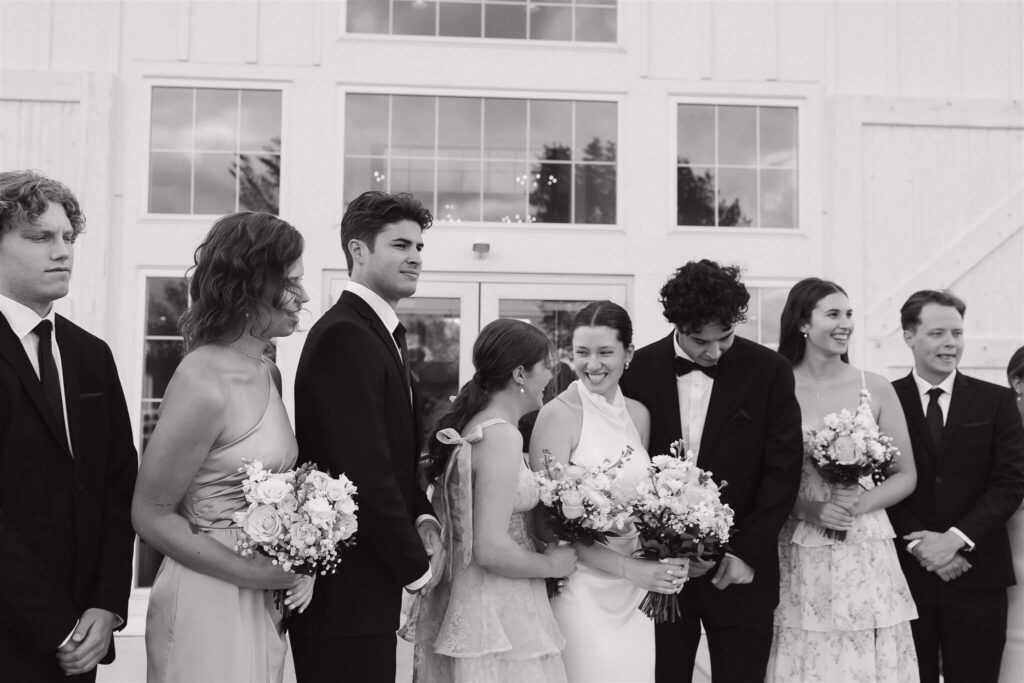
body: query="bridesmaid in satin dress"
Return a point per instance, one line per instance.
(212, 614)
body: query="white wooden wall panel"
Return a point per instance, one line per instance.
(677, 40)
(219, 31)
(994, 292)
(86, 36)
(803, 40)
(860, 43)
(289, 33)
(148, 30)
(924, 41)
(739, 35)
(25, 34)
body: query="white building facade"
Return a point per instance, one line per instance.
(570, 150)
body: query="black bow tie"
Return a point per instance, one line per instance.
(684, 366)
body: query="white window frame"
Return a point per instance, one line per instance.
(575, 96)
(145, 216)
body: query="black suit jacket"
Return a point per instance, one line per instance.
(751, 439)
(66, 537)
(975, 482)
(353, 415)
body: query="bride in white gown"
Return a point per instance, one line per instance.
(607, 637)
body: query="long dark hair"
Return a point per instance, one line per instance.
(606, 314)
(244, 257)
(503, 346)
(801, 301)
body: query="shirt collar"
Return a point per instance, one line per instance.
(924, 385)
(21, 318)
(382, 308)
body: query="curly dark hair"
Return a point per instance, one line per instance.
(243, 258)
(800, 302)
(25, 196)
(606, 314)
(501, 347)
(703, 292)
(368, 213)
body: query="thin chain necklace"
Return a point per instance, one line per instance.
(242, 351)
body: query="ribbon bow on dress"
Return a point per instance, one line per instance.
(456, 515)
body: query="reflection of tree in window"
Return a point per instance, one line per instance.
(551, 190)
(595, 184)
(259, 178)
(697, 201)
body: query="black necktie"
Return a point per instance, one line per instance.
(685, 366)
(399, 335)
(934, 417)
(48, 372)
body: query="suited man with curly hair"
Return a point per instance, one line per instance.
(733, 403)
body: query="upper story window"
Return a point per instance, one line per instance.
(569, 20)
(486, 159)
(737, 166)
(763, 315)
(214, 150)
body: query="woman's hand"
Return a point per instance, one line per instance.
(828, 515)
(846, 497)
(263, 573)
(299, 596)
(660, 576)
(562, 559)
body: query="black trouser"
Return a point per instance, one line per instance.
(367, 659)
(739, 652)
(960, 632)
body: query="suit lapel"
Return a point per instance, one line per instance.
(723, 392)
(13, 352)
(666, 392)
(72, 389)
(375, 323)
(958, 403)
(906, 390)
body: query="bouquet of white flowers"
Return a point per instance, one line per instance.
(678, 512)
(849, 447)
(580, 501)
(299, 518)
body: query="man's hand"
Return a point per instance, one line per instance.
(732, 570)
(935, 549)
(431, 538)
(89, 642)
(699, 567)
(954, 569)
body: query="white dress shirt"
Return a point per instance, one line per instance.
(390, 320)
(923, 387)
(694, 390)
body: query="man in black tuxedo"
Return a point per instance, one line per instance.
(355, 412)
(969, 449)
(67, 462)
(732, 401)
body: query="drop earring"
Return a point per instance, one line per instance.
(522, 389)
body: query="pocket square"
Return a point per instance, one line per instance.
(966, 425)
(86, 397)
(740, 416)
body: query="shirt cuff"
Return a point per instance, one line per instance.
(420, 582)
(65, 641)
(912, 545)
(428, 518)
(963, 537)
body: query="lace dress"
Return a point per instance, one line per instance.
(607, 637)
(477, 626)
(844, 606)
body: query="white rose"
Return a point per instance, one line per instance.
(572, 504)
(262, 524)
(335, 490)
(346, 506)
(320, 511)
(270, 491)
(289, 503)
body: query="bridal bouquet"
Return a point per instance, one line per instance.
(849, 447)
(678, 512)
(299, 518)
(580, 501)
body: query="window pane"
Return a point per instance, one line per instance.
(595, 24)
(737, 197)
(171, 125)
(695, 195)
(166, 300)
(553, 317)
(550, 129)
(596, 131)
(737, 136)
(366, 124)
(458, 190)
(458, 127)
(259, 179)
(551, 192)
(773, 299)
(367, 16)
(415, 18)
(415, 176)
(215, 186)
(412, 126)
(162, 357)
(170, 182)
(778, 136)
(505, 128)
(550, 23)
(216, 119)
(695, 124)
(364, 174)
(260, 119)
(595, 194)
(504, 192)
(461, 19)
(504, 21)
(434, 327)
(778, 198)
